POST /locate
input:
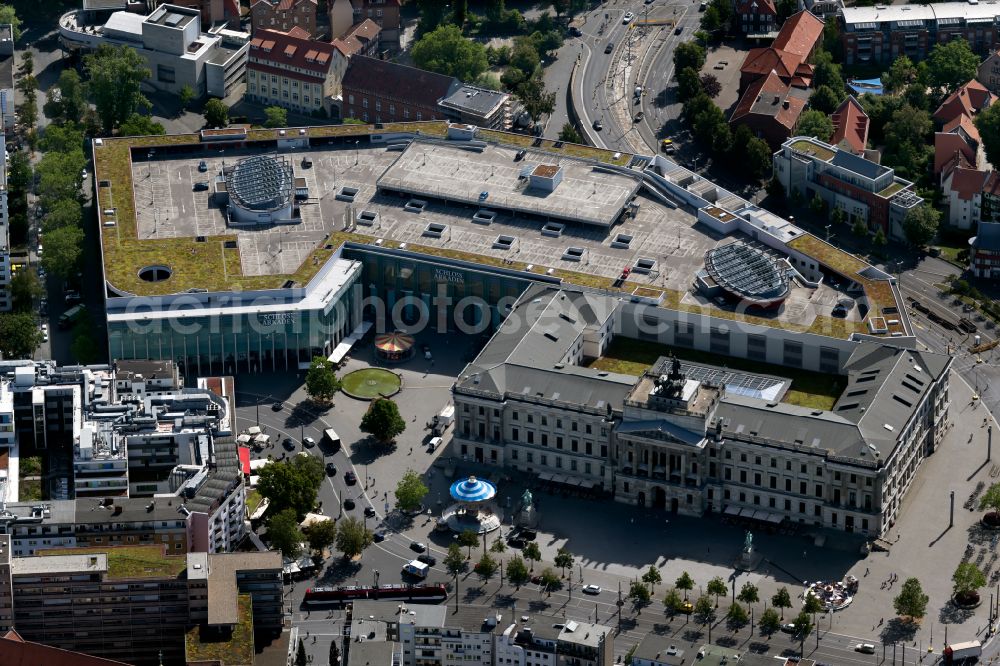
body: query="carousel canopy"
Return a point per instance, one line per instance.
(472, 490)
(394, 342)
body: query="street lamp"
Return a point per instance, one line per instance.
(357, 152)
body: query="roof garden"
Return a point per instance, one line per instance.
(892, 189)
(812, 148)
(132, 561)
(224, 644)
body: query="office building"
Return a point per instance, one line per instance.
(470, 105)
(862, 189)
(283, 15)
(172, 43)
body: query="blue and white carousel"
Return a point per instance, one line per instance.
(474, 508)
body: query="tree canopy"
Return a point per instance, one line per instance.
(410, 491)
(486, 566)
(446, 51)
(951, 64)
(988, 123)
(291, 484)
(921, 224)
(9, 15)
(911, 601)
(901, 73)
(563, 560)
(321, 380)
(352, 537)
(639, 592)
(468, 539)
(284, 534)
(990, 500)
(454, 561)
(782, 599)
(216, 113)
(63, 248)
(769, 621)
(276, 116)
(115, 75)
(815, 123)
(689, 54)
(139, 124)
(517, 571)
(825, 99)
(321, 535)
(684, 582)
(967, 579)
(382, 420)
(569, 134)
(25, 288)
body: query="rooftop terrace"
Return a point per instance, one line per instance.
(132, 561)
(209, 644)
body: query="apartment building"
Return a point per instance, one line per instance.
(757, 18)
(471, 105)
(133, 604)
(295, 72)
(345, 13)
(882, 34)
(988, 72)
(984, 255)
(172, 43)
(378, 91)
(864, 190)
(34, 527)
(144, 377)
(7, 111)
(6, 274)
(473, 635)
(283, 15)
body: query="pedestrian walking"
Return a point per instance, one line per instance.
(866, 571)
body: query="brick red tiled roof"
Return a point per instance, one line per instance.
(946, 144)
(965, 123)
(756, 7)
(799, 34)
(770, 96)
(850, 126)
(15, 651)
(968, 99)
(291, 51)
(407, 84)
(967, 183)
(281, 5)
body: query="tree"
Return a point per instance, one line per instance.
(988, 123)
(827, 73)
(951, 64)
(901, 73)
(812, 604)
(534, 99)
(803, 627)
(688, 84)
(921, 224)
(19, 335)
(749, 594)
(704, 613)
(115, 76)
(564, 560)
(689, 54)
(838, 216)
(785, 9)
(186, 95)
(569, 134)
(652, 577)
(9, 15)
(817, 205)
(825, 99)
(301, 658)
(334, 653)
(879, 239)
(138, 124)
(911, 601)
(63, 248)
(967, 579)
(859, 228)
(62, 138)
(445, 51)
(284, 534)
(321, 535)
(517, 571)
(486, 566)
(710, 20)
(468, 539)
(672, 601)
(532, 553)
(352, 535)
(684, 582)
(907, 141)
(216, 113)
(710, 85)
(498, 546)
(815, 123)
(737, 617)
(276, 117)
(758, 157)
(20, 171)
(782, 599)
(382, 420)
(25, 288)
(990, 500)
(769, 621)
(717, 588)
(524, 56)
(454, 561)
(72, 96)
(550, 580)
(321, 380)
(84, 348)
(291, 484)
(410, 491)
(639, 593)
(59, 176)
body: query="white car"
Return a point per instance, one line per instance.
(45, 332)
(628, 18)
(591, 589)
(84, 174)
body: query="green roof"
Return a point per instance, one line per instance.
(806, 146)
(231, 648)
(132, 561)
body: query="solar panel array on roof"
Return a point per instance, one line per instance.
(746, 271)
(740, 383)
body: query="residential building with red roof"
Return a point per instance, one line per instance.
(295, 72)
(385, 13)
(283, 15)
(360, 39)
(757, 18)
(963, 187)
(988, 73)
(969, 99)
(770, 108)
(788, 55)
(850, 126)
(382, 92)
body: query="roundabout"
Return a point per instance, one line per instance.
(371, 383)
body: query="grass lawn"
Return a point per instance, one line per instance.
(370, 383)
(809, 389)
(254, 498)
(31, 466)
(30, 490)
(132, 561)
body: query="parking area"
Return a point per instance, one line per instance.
(723, 62)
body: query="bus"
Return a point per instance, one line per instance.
(338, 596)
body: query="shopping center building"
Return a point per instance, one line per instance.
(431, 225)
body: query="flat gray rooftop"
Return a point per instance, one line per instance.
(587, 194)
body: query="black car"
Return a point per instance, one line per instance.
(520, 155)
(370, 511)
(429, 560)
(575, 32)
(598, 125)
(418, 547)
(276, 406)
(379, 536)
(331, 469)
(201, 186)
(350, 478)
(610, 47)
(516, 542)
(839, 312)
(679, 30)
(288, 444)
(348, 504)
